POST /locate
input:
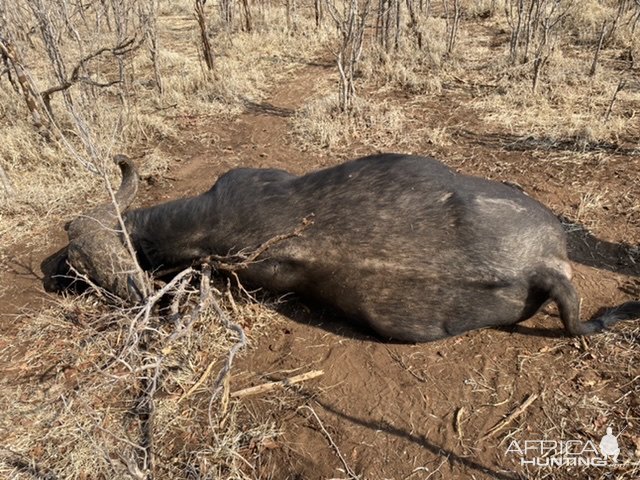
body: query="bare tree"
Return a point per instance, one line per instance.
(317, 5)
(413, 24)
(388, 24)
(351, 24)
(226, 12)
(291, 14)
(452, 18)
(148, 11)
(551, 17)
(534, 28)
(207, 51)
(248, 18)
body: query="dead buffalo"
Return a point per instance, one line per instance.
(403, 243)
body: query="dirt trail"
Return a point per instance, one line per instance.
(391, 410)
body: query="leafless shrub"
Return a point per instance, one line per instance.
(388, 24)
(534, 31)
(452, 16)
(117, 394)
(414, 24)
(351, 24)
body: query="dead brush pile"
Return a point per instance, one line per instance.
(132, 393)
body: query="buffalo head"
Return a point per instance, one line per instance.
(97, 251)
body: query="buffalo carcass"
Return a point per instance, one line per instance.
(401, 242)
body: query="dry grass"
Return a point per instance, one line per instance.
(376, 124)
(72, 398)
(569, 107)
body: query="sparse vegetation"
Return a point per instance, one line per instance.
(545, 92)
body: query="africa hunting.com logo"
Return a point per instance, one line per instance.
(568, 453)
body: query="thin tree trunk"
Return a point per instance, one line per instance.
(207, 51)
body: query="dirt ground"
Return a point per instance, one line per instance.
(402, 411)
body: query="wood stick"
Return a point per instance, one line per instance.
(200, 381)
(267, 387)
(512, 416)
(348, 471)
(458, 423)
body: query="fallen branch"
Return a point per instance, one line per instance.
(458, 423)
(242, 260)
(347, 469)
(269, 386)
(222, 381)
(512, 416)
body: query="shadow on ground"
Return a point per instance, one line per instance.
(587, 249)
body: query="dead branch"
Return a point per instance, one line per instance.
(351, 25)
(511, 417)
(346, 466)
(221, 381)
(458, 423)
(621, 84)
(594, 64)
(119, 50)
(207, 51)
(270, 386)
(242, 260)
